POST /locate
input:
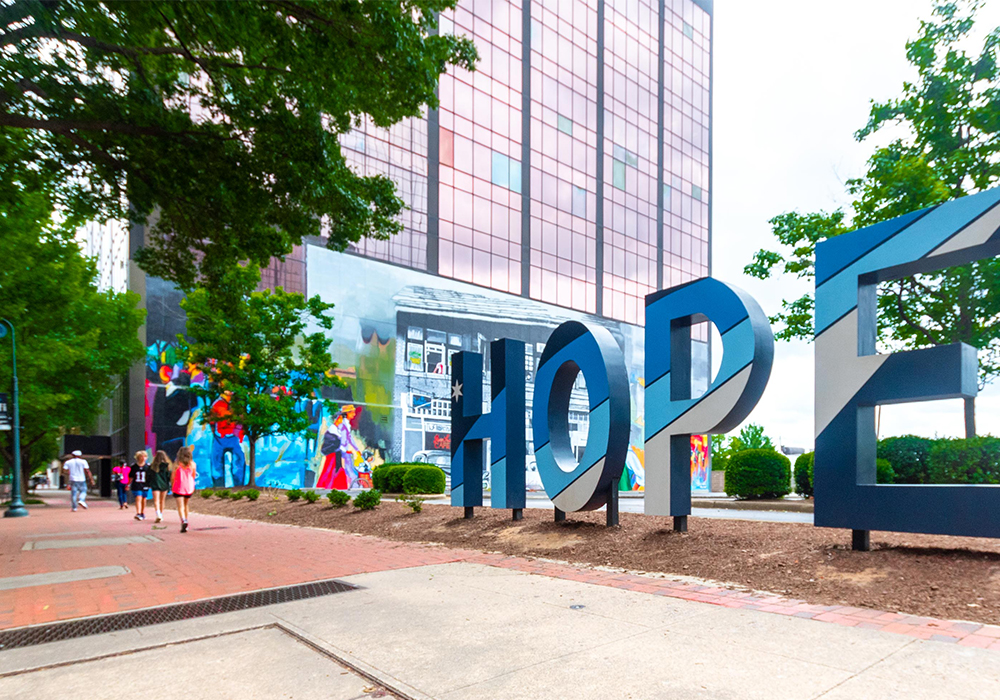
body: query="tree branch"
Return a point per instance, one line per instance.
(910, 322)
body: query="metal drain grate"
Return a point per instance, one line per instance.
(71, 629)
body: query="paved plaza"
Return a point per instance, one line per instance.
(429, 622)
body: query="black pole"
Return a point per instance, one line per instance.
(861, 540)
(16, 508)
(469, 512)
(517, 514)
(560, 516)
(613, 504)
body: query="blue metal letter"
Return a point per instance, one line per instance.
(851, 379)
(504, 426)
(576, 347)
(672, 416)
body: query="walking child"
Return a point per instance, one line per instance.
(119, 477)
(183, 483)
(139, 483)
(159, 477)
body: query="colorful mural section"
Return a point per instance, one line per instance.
(394, 335)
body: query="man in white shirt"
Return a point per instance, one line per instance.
(79, 477)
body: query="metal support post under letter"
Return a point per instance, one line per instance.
(560, 516)
(517, 513)
(469, 512)
(861, 540)
(613, 504)
(680, 523)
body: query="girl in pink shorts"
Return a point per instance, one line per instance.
(183, 483)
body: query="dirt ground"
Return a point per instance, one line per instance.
(944, 577)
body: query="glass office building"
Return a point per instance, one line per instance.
(565, 178)
(572, 167)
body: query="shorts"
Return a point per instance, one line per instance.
(182, 495)
(145, 493)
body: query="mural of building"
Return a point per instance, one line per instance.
(566, 178)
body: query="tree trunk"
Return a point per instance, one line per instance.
(970, 418)
(252, 479)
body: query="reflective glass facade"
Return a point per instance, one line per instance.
(572, 167)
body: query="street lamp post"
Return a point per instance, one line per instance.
(16, 508)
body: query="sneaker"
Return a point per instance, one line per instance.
(137, 516)
(159, 518)
(83, 504)
(184, 526)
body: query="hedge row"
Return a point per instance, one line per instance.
(408, 478)
(917, 460)
(804, 473)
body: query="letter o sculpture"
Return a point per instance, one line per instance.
(577, 347)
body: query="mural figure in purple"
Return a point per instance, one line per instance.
(339, 450)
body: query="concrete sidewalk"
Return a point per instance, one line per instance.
(470, 632)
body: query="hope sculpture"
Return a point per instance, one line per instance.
(851, 379)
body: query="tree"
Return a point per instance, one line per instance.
(73, 341)
(750, 437)
(952, 116)
(217, 122)
(256, 356)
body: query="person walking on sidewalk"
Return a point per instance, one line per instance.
(159, 473)
(185, 476)
(79, 477)
(119, 475)
(139, 481)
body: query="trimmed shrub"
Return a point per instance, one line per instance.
(206, 493)
(394, 477)
(252, 494)
(378, 476)
(972, 461)
(237, 495)
(310, 496)
(367, 500)
(424, 478)
(224, 493)
(293, 495)
(758, 474)
(909, 456)
(804, 474)
(884, 472)
(338, 499)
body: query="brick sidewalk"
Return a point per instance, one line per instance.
(220, 556)
(217, 556)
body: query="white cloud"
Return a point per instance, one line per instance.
(793, 81)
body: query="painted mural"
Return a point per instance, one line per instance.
(394, 335)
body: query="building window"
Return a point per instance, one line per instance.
(618, 174)
(625, 155)
(696, 192)
(579, 202)
(564, 125)
(666, 197)
(688, 30)
(506, 172)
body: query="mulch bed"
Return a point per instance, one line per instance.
(935, 576)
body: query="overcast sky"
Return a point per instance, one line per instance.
(793, 81)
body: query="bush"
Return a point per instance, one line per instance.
(206, 493)
(237, 495)
(338, 499)
(252, 494)
(758, 474)
(378, 476)
(310, 496)
(972, 461)
(884, 473)
(804, 474)
(224, 493)
(293, 495)
(424, 478)
(394, 477)
(367, 500)
(909, 456)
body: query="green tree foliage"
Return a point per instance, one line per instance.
(219, 121)
(804, 474)
(73, 341)
(750, 437)
(951, 115)
(972, 461)
(909, 456)
(256, 354)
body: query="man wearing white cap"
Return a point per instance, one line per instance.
(79, 477)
